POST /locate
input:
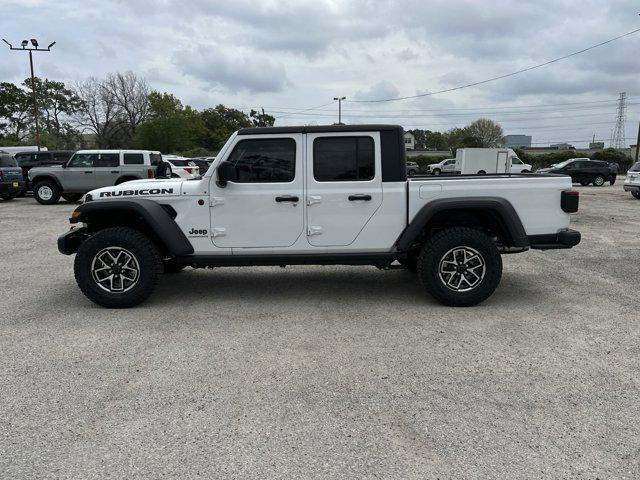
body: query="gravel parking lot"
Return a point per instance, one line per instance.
(324, 372)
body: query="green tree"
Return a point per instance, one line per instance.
(16, 110)
(261, 119)
(487, 132)
(170, 126)
(219, 123)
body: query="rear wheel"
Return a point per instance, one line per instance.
(117, 267)
(72, 197)
(460, 267)
(47, 192)
(598, 181)
(636, 195)
(482, 172)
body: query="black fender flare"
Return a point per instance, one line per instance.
(500, 207)
(46, 176)
(152, 213)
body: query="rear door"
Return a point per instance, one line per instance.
(107, 170)
(344, 185)
(264, 207)
(79, 173)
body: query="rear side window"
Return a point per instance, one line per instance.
(155, 158)
(25, 158)
(133, 159)
(343, 159)
(8, 161)
(107, 160)
(84, 160)
(265, 161)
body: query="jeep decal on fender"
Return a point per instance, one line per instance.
(142, 191)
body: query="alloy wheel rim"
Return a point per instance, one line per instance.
(115, 270)
(462, 269)
(45, 192)
(599, 181)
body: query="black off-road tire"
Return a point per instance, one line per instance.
(55, 192)
(437, 247)
(636, 195)
(170, 266)
(136, 243)
(410, 263)
(598, 180)
(72, 197)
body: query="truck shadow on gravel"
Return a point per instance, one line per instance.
(361, 286)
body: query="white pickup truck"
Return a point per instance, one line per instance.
(322, 195)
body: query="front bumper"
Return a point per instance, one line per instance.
(629, 187)
(69, 242)
(9, 187)
(563, 239)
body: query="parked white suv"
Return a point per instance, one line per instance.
(632, 181)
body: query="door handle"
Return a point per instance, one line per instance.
(288, 198)
(353, 198)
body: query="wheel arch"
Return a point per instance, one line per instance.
(152, 218)
(494, 214)
(43, 177)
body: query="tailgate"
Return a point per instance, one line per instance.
(10, 174)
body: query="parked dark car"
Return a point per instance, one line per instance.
(28, 160)
(412, 168)
(11, 182)
(585, 171)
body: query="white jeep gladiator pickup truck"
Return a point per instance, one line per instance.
(321, 195)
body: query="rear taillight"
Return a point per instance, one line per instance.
(188, 169)
(150, 174)
(569, 200)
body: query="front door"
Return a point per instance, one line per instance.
(264, 208)
(344, 186)
(79, 176)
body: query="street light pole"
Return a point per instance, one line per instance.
(35, 48)
(339, 99)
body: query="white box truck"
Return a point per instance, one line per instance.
(481, 161)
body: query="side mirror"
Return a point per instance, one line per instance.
(64, 165)
(226, 173)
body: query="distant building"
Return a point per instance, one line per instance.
(517, 141)
(409, 141)
(596, 146)
(562, 146)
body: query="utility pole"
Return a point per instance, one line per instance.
(618, 135)
(35, 48)
(339, 99)
(638, 144)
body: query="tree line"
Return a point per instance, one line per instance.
(482, 133)
(118, 111)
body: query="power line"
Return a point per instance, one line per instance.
(493, 79)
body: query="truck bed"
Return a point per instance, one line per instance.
(535, 197)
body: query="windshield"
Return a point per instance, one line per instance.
(635, 167)
(562, 164)
(8, 161)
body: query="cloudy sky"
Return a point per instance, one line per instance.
(293, 57)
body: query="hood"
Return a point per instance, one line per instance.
(48, 168)
(545, 170)
(152, 188)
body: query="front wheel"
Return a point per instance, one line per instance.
(437, 171)
(598, 181)
(117, 267)
(636, 194)
(47, 192)
(460, 267)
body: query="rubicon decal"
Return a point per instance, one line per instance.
(142, 191)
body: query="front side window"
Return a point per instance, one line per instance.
(343, 159)
(83, 160)
(516, 161)
(107, 160)
(133, 159)
(271, 160)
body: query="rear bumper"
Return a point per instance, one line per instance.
(631, 188)
(564, 239)
(7, 188)
(69, 242)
